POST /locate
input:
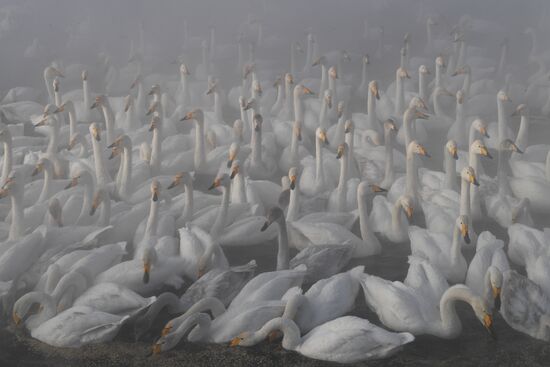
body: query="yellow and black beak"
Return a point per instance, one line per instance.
(340, 152)
(488, 324)
(292, 182)
(308, 91)
(155, 195)
(473, 180)
(496, 297)
(235, 342)
(41, 122)
(377, 189)
(486, 153)
(409, 211)
(424, 152)
(454, 152)
(146, 271)
(188, 116)
(16, 319)
(37, 169)
(465, 233)
(234, 172)
(484, 132)
(216, 183)
(73, 183)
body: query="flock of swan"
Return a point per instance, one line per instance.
(112, 215)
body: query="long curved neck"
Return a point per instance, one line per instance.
(187, 214)
(86, 202)
(411, 179)
(350, 159)
(200, 153)
(332, 87)
(450, 323)
(522, 139)
(293, 58)
(388, 150)
(472, 135)
(49, 88)
(219, 224)
(104, 218)
(126, 187)
(298, 112)
(323, 115)
(256, 146)
(295, 144)
(217, 106)
(407, 122)
(396, 223)
(342, 183)
(109, 121)
(238, 189)
(131, 120)
(422, 87)
(459, 119)
(467, 83)
(156, 152)
(289, 99)
(451, 67)
(363, 218)
(371, 110)
(54, 133)
(100, 171)
(152, 219)
(449, 182)
(323, 85)
(464, 197)
(319, 169)
(8, 160)
(184, 90)
(17, 227)
(280, 97)
(438, 75)
(291, 332)
(86, 94)
(294, 204)
(455, 247)
(502, 172)
(282, 253)
(461, 54)
(437, 106)
(364, 79)
(72, 122)
(140, 99)
(45, 193)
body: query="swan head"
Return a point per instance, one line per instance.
(510, 146)
(320, 61)
(440, 62)
(50, 72)
(235, 168)
(238, 129)
(13, 182)
(155, 123)
(76, 138)
(431, 21)
(372, 136)
(390, 125)
(84, 75)
(342, 150)
(184, 70)
(495, 279)
(181, 178)
(289, 79)
(155, 106)
(251, 103)
(402, 73)
(244, 339)
(366, 59)
(66, 106)
(418, 103)
(373, 88)
(478, 147)
(502, 96)
(222, 180)
(462, 225)
(364, 189)
(345, 55)
(333, 73)
(148, 259)
(340, 108)
(99, 196)
(417, 148)
(423, 70)
(80, 177)
(56, 85)
(328, 98)
(27, 305)
(257, 87)
(274, 214)
(195, 114)
(292, 177)
(42, 165)
(258, 120)
(233, 152)
(99, 101)
(247, 70)
(155, 190)
(480, 126)
(155, 89)
(521, 110)
(468, 174)
(406, 204)
(95, 131)
(348, 127)
(484, 315)
(321, 134)
(213, 87)
(303, 90)
(452, 149)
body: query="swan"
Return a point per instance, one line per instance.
(387, 220)
(434, 180)
(342, 199)
(316, 176)
(321, 260)
(404, 308)
(443, 252)
(347, 339)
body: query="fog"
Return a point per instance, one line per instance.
(380, 160)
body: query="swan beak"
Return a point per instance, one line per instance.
(516, 149)
(151, 109)
(496, 295)
(329, 102)
(41, 122)
(308, 92)
(488, 323)
(166, 330)
(95, 105)
(155, 194)
(473, 180)
(234, 172)
(114, 153)
(484, 132)
(409, 211)
(421, 115)
(152, 126)
(93, 209)
(464, 232)
(175, 182)
(376, 188)
(72, 144)
(60, 109)
(16, 318)
(424, 152)
(232, 156)
(292, 182)
(188, 116)
(216, 183)
(486, 153)
(375, 92)
(298, 132)
(146, 271)
(39, 167)
(454, 152)
(340, 152)
(210, 90)
(127, 105)
(235, 342)
(156, 349)
(265, 226)
(274, 336)
(73, 183)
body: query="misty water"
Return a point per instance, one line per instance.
(145, 43)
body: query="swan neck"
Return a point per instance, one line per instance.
(283, 252)
(219, 224)
(450, 171)
(200, 153)
(17, 228)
